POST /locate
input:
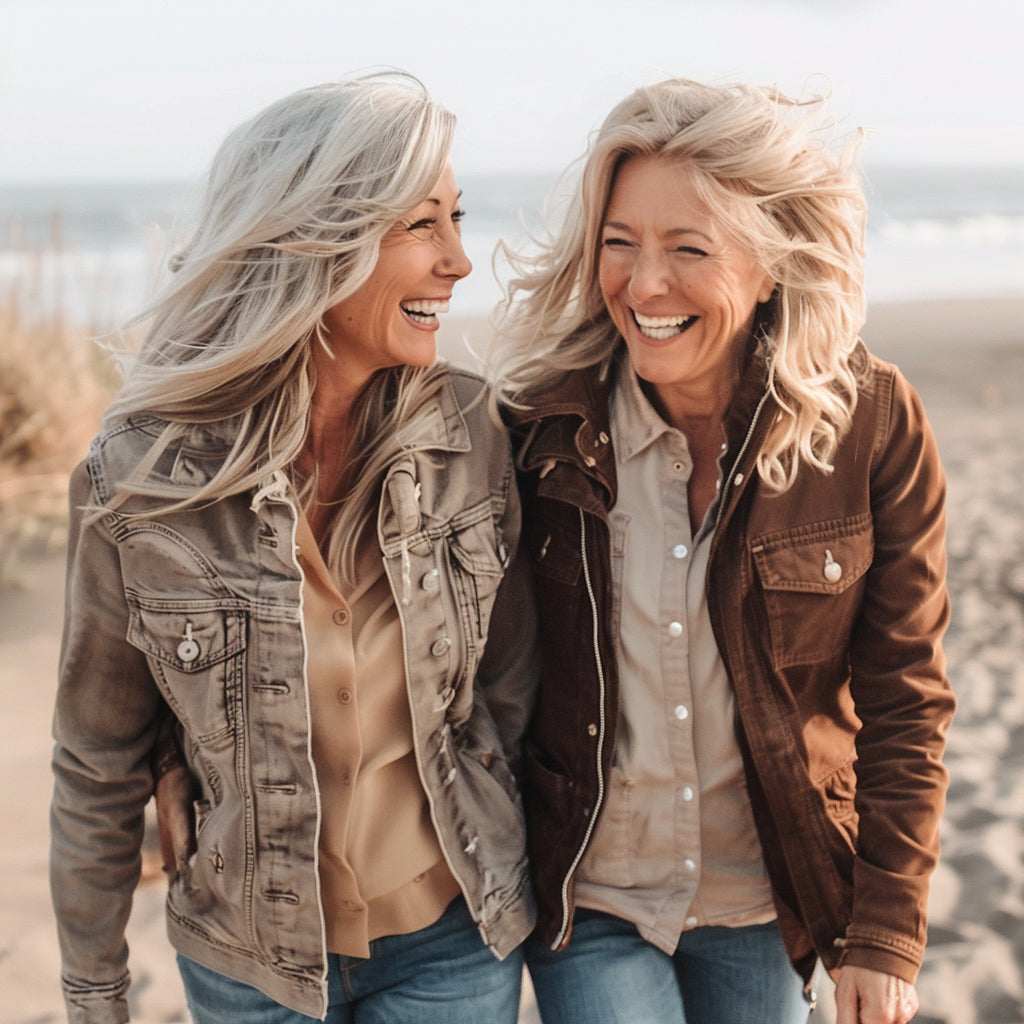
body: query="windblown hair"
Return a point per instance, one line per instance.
(296, 204)
(759, 162)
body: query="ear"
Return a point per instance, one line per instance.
(766, 289)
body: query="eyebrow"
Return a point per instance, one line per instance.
(437, 202)
(671, 233)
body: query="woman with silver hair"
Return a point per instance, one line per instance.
(292, 559)
(734, 515)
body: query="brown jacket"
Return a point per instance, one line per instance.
(828, 604)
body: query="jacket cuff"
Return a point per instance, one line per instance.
(100, 1003)
(883, 951)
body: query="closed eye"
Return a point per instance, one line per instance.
(431, 222)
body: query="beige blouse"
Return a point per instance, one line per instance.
(382, 871)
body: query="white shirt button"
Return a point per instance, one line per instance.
(682, 712)
(675, 629)
(680, 551)
(691, 922)
(689, 864)
(687, 793)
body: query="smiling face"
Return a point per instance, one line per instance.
(680, 290)
(392, 319)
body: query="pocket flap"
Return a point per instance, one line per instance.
(185, 640)
(820, 558)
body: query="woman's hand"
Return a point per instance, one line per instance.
(864, 996)
(176, 817)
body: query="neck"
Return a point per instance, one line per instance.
(697, 412)
(325, 452)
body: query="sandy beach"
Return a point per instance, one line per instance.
(967, 360)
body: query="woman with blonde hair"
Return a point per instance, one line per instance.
(734, 515)
(292, 556)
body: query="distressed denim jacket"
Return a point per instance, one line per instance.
(200, 611)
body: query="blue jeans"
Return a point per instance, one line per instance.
(443, 974)
(609, 974)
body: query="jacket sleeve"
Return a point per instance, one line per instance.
(104, 724)
(902, 695)
(509, 668)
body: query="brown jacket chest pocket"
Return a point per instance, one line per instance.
(812, 577)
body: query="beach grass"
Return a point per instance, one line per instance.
(55, 381)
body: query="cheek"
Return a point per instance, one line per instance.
(612, 280)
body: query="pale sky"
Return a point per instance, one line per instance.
(146, 89)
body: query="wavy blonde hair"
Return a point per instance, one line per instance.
(760, 164)
(296, 204)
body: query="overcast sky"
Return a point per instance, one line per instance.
(146, 89)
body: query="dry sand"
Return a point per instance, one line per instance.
(967, 360)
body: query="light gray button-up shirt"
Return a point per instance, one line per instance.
(676, 846)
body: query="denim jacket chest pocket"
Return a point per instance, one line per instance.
(812, 577)
(195, 650)
(190, 625)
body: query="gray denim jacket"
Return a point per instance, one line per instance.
(201, 610)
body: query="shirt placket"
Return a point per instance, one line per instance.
(676, 466)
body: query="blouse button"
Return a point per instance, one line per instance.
(344, 696)
(340, 617)
(687, 793)
(682, 713)
(675, 629)
(679, 551)
(431, 581)
(440, 646)
(591, 729)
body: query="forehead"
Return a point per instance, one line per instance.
(659, 182)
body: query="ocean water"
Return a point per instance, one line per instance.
(94, 252)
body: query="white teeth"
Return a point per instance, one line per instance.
(425, 311)
(660, 328)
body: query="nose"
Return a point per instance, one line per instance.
(649, 277)
(454, 262)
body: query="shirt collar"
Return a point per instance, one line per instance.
(635, 423)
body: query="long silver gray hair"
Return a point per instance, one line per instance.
(296, 204)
